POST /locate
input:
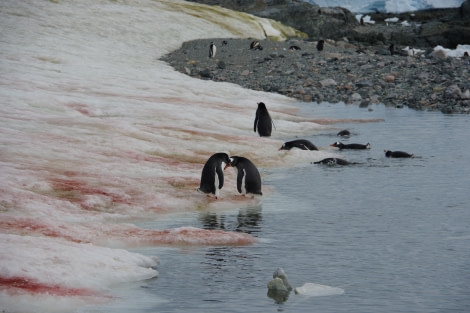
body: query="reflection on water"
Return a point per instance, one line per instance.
(248, 220)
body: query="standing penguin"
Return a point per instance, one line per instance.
(320, 45)
(212, 50)
(212, 177)
(263, 122)
(248, 178)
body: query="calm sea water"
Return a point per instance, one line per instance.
(393, 233)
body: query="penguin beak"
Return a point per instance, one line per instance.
(228, 165)
(332, 145)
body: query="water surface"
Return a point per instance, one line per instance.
(393, 233)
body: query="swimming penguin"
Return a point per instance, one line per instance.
(344, 133)
(298, 143)
(397, 154)
(248, 178)
(333, 161)
(263, 122)
(341, 145)
(212, 177)
(212, 50)
(320, 45)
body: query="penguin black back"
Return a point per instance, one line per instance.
(320, 45)
(356, 146)
(248, 177)
(303, 144)
(263, 122)
(333, 161)
(212, 177)
(397, 154)
(344, 133)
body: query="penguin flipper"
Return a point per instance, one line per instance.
(240, 180)
(256, 121)
(220, 176)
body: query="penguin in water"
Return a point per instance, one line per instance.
(397, 154)
(357, 146)
(263, 122)
(344, 133)
(333, 161)
(212, 50)
(212, 177)
(302, 144)
(248, 177)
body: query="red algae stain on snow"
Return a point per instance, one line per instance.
(75, 190)
(24, 226)
(184, 236)
(16, 285)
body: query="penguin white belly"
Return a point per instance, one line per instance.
(216, 185)
(243, 186)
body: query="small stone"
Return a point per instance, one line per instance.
(327, 82)
(221, 65)
(452, 92)
(355, 98)
(245, 73)
(389, 78)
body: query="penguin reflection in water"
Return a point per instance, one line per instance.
(212, 177)
(248, 177)
(263, 122)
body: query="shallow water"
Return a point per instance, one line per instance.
(392, 233)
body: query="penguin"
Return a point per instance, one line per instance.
(333, 161)
(320, 45)
(212, 50)
(344, 133)
(212, 177)
(302, 144)
(294, 48)
(397, 154)
(263, 122)
(391, 48)
(248, 177)
(341, 145)
(255, 45)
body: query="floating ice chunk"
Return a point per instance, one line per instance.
(316, 290)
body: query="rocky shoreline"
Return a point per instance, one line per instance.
(342, 72)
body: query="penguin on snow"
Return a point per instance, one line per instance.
(248, 177)
(263, 122)
(212, 177)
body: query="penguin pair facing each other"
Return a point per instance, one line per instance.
(212, 177)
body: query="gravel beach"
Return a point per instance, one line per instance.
(342, 72)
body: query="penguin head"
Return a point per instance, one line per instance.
(286, 146)
(261, 105)
(336, 144)
(388, 153)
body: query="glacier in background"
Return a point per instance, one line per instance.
(389, 6)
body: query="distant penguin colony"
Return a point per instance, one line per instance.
(263, 123)
(320, 45)
(302, 144)
(397, 154)
(248, 177)
(356, 146)
(212, 177)
(212, 50)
